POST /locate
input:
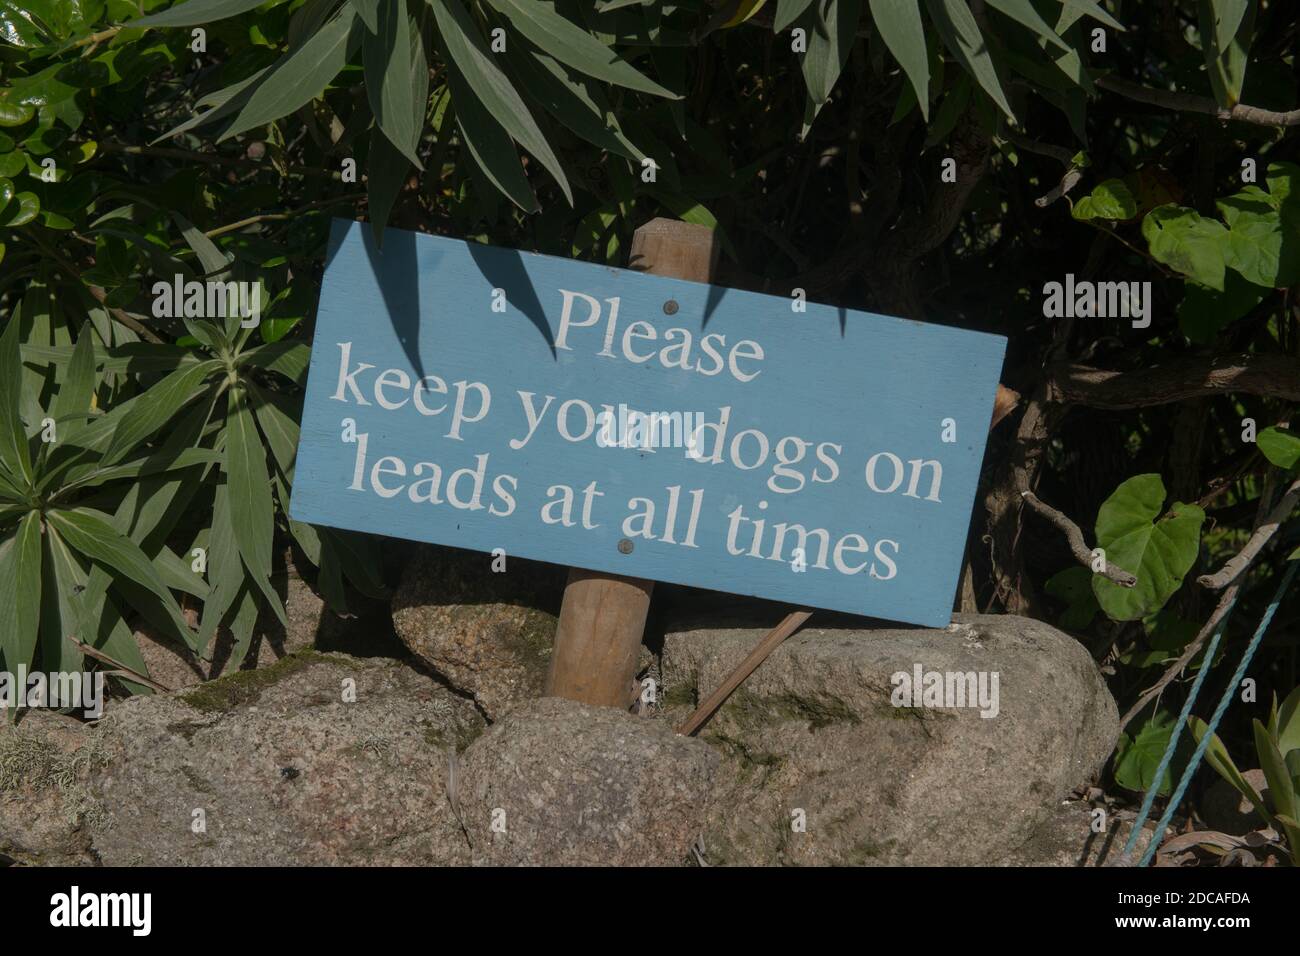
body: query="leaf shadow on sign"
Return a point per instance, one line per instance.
(504, 269)
(398, 278)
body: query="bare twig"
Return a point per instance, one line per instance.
(1190, 103)
(1226, 601)
(792, 622)
(1082, 553)
(127, 672)
(1235, 566)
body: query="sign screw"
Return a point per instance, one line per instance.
(625, 546)
(670, 307)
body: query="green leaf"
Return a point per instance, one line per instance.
(568, 43)
(1204, 313)
(490, 148)
(1023, 12)
(300, 76)
(1110, 199)
(225, 570)
(397, 78)
(787, 12)
(1281, 791)
(1226, 60)
(278, 426)
(20, 592)
(961, 35)
(289, 359)
(98, 540)
(368, 11)
(196, 13)
(78, 386)
(1138, 757)
(832, 31)
(1073, 9)
(1160, 552)
(1258, 246)
(1073, 586)
(899, 23)
(134, 422)
(253, 516)
(386, 169)
(62, 614)
(1281, 446)
(1216, 755)
(574, 100)
(1183, 240)
(15, 454)
(1288, 723)
(473, 73)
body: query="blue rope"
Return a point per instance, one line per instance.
(1210, 729)
(1177, 732)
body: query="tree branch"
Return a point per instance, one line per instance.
(1190, 103)
(1079, 547)
(1261, 536)
(1274, 376)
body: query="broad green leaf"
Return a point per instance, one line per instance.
(386, 169)
(153, 464)
(1071, 10)
(1281, 446)
(1110, 199)
(1137, 757)
(222, 103)
(961, 35)
(1204, 313)
(1183, 240)
(899, 23)
(179, 574)
(20, 592)
(196, 13)
(14, 451)
(1159, 550)
(483, 79)
(569, 43)
(1258, 245)
(253, 511)
(1283, 181)
(301, 75)
(787, 12)
(1074, 587)
(397, 79)
(1271, 761)
(99, 541)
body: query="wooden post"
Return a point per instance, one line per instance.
(602, 619)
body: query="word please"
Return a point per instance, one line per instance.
(677, 353)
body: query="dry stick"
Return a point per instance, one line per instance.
(1189, 103)
(129, 673)
(1078, 546)
(1261, 536)
(793, 621)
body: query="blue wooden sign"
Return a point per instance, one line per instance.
(622, 422)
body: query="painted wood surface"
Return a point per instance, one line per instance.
(438, 392)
